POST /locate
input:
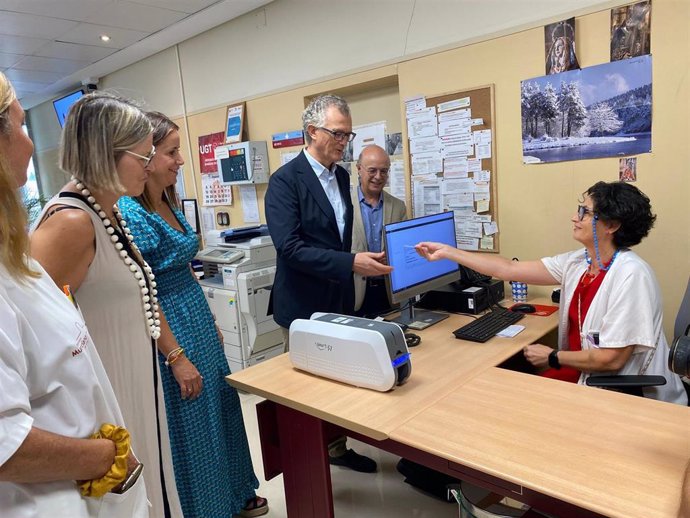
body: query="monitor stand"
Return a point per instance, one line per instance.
(418, 319)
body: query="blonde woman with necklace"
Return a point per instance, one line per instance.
(611, 317)
(84, 244)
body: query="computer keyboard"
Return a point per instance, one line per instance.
(485, 327)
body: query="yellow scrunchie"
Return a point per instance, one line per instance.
(118, 471)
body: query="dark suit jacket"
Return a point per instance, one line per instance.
(314, 266)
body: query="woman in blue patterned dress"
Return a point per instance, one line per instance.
(213, 468)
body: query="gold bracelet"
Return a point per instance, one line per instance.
(173, 356)
(118, 471)
(175, 351)
(177, 357)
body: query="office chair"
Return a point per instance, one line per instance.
(683, 317)
(631, 384)
(626, 383)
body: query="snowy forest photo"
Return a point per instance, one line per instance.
(595, 112)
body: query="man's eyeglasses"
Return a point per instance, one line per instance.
(372, 171)
(147, 159)
(340, 136)
(582, 211)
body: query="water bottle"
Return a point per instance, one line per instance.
(519, 289)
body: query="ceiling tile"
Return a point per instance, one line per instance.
(185, 6)
(129, 15)
(90, 53)
(64, 66)
(7, 60)
(32, 76)
(77, 10)
(21, 44)
(22, 87)
(89, 34)
(20, 24)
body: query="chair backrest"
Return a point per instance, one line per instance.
(683, 317)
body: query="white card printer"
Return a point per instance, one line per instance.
(362, 352)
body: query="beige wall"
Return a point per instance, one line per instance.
(282, 112)
(535, 202)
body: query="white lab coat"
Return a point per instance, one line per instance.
(626, 310)
(51, 377)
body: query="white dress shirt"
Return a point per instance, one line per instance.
(330, 186)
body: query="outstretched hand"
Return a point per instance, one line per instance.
(431, 251)
(370, 264)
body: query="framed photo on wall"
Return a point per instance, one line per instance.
(190, 210)
(234, 123)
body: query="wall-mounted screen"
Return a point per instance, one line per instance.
(63, 104)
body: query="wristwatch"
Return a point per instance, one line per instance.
(553, 360)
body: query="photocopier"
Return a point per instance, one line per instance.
(237, 282)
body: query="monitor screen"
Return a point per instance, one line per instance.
(233, 168)
(63, 104)
(412, 274)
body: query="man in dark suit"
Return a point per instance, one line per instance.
(309, 215)
(373, 209)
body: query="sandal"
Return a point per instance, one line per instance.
(256, 506)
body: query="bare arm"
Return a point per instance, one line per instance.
(48, 457)
(590, 360)
(532, 272)
(64, 244)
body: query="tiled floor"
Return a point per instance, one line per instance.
(355, 495)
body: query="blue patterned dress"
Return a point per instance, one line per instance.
(213, 468)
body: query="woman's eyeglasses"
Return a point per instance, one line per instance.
(147, 159)
(582, 211)
(340, 136)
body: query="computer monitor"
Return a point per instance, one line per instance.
(412, 274)
(63, 104)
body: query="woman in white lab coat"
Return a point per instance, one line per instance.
(54, 394)
(611, 317)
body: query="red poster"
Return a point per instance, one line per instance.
(207, 147)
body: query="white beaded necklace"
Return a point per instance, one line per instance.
(149, 301)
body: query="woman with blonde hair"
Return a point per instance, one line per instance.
(54, 393)
(84, 243)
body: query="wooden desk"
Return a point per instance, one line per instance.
(440, 364)
(617, 455)
(306, 411)
(573, 451)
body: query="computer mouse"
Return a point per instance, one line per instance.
(523, 308)
(412, 339)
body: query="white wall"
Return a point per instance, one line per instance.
(295, 42)
(153, 82)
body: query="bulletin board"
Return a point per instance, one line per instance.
(480, 219)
